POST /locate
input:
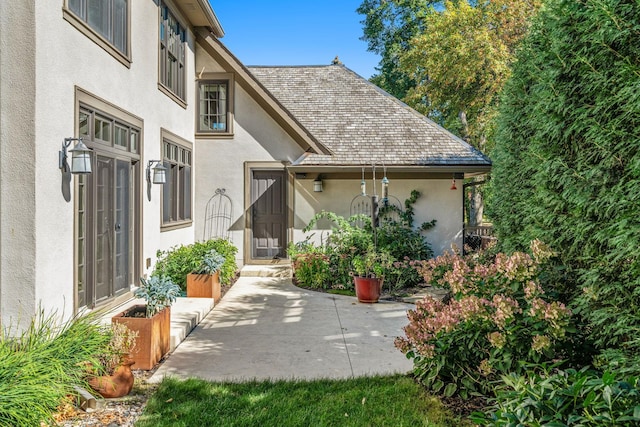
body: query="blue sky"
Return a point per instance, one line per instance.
(295, 32)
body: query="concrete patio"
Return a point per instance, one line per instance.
(266, 328)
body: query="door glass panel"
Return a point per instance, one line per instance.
(104, 227)
(122, 226)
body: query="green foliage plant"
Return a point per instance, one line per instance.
(158, 292)
(372, 263)
(179, 261)
(567, 159)
(211, 262)
(40, 365)
(121, 344)
(570, 397)
(331, 264)
(497, 319)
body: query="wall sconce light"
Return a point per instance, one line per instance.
(317, 184)
(159, 175)
(80, 157)
(80, 163)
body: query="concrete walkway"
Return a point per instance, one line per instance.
(266, 328)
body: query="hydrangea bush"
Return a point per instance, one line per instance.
(496, 320)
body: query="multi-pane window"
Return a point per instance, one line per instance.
(176, 192)
(172, 52)
(108, 18)
(214, 106)
(100, 128)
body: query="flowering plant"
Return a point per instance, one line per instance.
(498, 319)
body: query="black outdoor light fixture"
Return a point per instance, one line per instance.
(317, 184)
(80, 163)
(159, 175)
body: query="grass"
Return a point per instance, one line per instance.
(371, 401)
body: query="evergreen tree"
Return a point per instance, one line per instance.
(567, 157)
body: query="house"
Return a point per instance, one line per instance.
(147, 85)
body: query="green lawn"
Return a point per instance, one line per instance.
(375, 401)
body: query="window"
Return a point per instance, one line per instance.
(105, 21)
(215, 105)
(176, 192)
(99, 128)
(172, 53)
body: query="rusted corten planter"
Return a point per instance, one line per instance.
(154, 335)
(204, 286)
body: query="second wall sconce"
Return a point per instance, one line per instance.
(159, 175)
(317, 184)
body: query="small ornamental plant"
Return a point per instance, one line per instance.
(158, 292)
(120, 347)
(497, 319)
(211, 262)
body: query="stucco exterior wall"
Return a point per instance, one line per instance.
(221, 162)
(40, 73)
(437, 202)
(17, 170)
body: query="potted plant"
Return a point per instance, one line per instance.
(204, 281)
(152, 321)
(116, 379)
(368, 275)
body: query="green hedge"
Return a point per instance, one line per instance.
(567, 158)
(181, 260)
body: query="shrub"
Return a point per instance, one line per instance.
(40, 366)
(352, 238)
(181, 260)
(498, 317)
(565, 398)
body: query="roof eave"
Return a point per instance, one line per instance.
(201, 14)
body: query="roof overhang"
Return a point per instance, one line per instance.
(408, 171)
(259, 93)
(200, 14)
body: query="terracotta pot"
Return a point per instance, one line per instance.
(368, 289)
(154, 335)
(204, 286)
(117, 385)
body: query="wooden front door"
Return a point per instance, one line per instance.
(268, 214)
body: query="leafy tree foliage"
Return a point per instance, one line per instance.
(461, 60)
(388, 27)
(567, 157)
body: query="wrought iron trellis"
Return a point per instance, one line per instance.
(369, 204)
(217, 216)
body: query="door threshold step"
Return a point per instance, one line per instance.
(283, 271)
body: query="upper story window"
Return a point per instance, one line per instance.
(215, 105)
(172, 53)
(106, 22)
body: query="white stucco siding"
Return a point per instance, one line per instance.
(65, 59)
(221, 162)
(17, 171)
(437, 202)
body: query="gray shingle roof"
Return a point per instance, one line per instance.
(359, 122)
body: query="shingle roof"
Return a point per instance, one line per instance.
(359, 122)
